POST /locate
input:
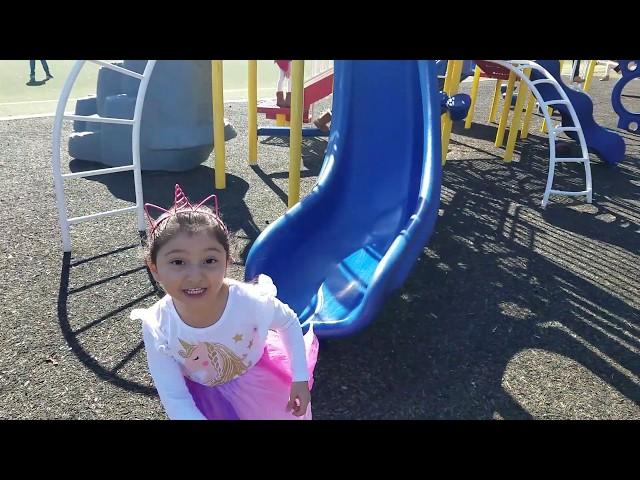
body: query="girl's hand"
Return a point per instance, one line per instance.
(299, 398)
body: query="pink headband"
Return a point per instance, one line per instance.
(182, 204)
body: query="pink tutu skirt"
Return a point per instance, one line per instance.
(262, 392)
(283, 64)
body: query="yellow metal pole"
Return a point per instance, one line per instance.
(505, 110)
(517, 116)
(589, 76)
(450, 89)
(446, 133)
(295, 133)
(218, 123)
(444, 119)
(253, 112)
(474, 97)
(543, 128)
(448, 76)
(494, 103)
(455, 79)
(531, 105)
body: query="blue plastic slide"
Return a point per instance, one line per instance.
(608, 145)
(338, 254)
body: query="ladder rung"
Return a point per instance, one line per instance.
(74, 220)
(556, 102)
(569, 160)
(116, 68)
(98, 119)
(544, 80)
(100, 171)
(568, 194)
(566, 129)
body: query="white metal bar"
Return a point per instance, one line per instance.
(116, 68)
(100, 171)
(66, 222)
(55, 159)
(570, 160)
(98, 119)
(569, 194)
(543, 80)
(74, 220)
(135, 142)
(587, 179)
(550, 173)
(556, 102)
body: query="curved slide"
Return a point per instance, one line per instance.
(338, 254)
(608, 145)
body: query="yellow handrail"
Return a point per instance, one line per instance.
(531, 104)
(589, 76)
(523, 91)
(474, 97)
(452, 81)
(295, 132)
(253, 111)
(218, 123)
(505, 110)
(495, 101)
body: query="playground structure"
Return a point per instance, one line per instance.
(630, 121)
(319, 86)
(338, 254)
(550, 93)
(315, 89)
(383, 240)
(353, 239)
(59, 177)
(304, 95)
(177, 126)
(468, 67)
(91, 114)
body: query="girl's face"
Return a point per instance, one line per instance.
(191, 268)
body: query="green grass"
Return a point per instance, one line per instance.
(18, 98)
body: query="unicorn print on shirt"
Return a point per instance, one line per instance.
(211, 363)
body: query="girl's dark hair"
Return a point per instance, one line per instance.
(202, 219)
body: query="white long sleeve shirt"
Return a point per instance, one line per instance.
(220, 352)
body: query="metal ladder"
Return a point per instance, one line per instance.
(59, 177)
(518, 67)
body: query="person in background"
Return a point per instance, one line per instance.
(45, 67)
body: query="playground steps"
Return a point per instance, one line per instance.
(59, 177)
(550, 93)
(584, 160)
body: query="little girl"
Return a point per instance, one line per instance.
(284, 67)
(210, 348)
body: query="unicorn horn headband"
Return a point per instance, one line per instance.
(182, 204)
